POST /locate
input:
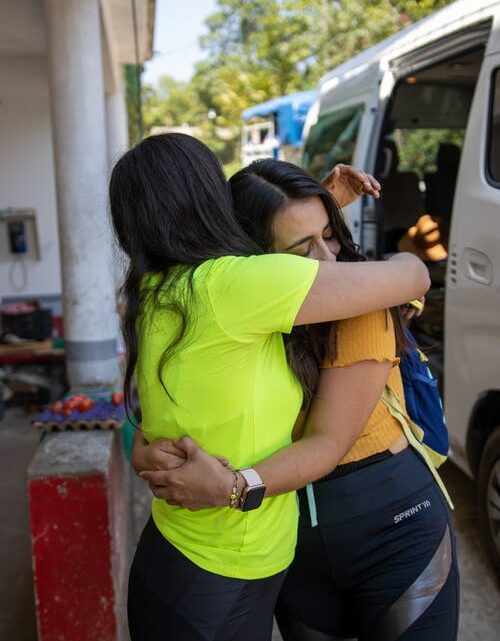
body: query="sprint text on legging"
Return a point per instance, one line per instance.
(424, 505)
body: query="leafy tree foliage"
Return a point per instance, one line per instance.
(261, 49)
(171, 103)
(131, 77)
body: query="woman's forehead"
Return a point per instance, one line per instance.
(304, 217)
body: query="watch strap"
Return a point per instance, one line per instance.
(251, 477)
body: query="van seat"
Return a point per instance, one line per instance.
(401, 199)
(440, 185)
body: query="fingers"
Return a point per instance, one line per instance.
(371, 186)
(157, 478)
(165, 462)
(413, 309)
(188, 446)
(361, 181)
(408, 312)
(170, 446)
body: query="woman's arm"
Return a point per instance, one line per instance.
(345, 400)
(344, 290)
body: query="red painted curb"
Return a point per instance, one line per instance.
(79, 542)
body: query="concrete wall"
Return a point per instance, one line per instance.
(27, 168)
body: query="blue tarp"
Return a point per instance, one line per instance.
(290, 112)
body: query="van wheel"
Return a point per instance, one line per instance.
(489, 495)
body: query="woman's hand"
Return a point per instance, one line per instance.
(412, 309)
(201, 481)
(161, 454)
(346, 184)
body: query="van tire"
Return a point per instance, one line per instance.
(488, 487)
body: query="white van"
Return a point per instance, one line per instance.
(421, 111)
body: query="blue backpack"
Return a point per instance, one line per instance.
(423, 402)
(423, 421)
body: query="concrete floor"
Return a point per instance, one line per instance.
(480, 598)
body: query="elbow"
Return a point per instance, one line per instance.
(419, 276)
(423, 278)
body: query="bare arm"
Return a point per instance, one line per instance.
(344, 290)
(345, 401)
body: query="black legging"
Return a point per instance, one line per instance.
(172, 599)
(380, 565)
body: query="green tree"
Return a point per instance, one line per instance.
(419, 148)
(132, 92)
(416, 9)
(170, 103)
(261, 49)
(349, 27)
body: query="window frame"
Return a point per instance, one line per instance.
(494, 87)
(357, 108)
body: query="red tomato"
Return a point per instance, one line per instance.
(117, 398)
(85, 403)
(67, 411)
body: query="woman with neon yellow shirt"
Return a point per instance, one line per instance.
(205, 313)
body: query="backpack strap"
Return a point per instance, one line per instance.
(413, 433)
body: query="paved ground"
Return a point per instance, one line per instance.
(480, 601)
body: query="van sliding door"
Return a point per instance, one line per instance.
(472, 313)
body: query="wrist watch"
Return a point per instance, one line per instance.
(253, 492)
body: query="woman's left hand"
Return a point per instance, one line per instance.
(413, 309)
(203, 481)
(346, 184)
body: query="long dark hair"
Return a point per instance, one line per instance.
(171, 207)
(260, 191)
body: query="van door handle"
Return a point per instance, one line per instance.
(478, 267)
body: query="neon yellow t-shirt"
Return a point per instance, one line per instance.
(235, 395)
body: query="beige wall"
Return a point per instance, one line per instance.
(26, 166)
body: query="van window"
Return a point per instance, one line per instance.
(419, 148)
(494, 146)
(332, 140)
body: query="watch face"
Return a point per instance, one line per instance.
(253, 498)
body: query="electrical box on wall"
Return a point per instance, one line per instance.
(18, 234)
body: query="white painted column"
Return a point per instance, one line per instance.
(116, 126)
(79, 130)
(117, 144)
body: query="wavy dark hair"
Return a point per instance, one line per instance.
(260, 191)
(171, 207)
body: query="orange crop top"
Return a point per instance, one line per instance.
(364, 338)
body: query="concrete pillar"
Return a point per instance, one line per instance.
(79, 131)
(78, 490)
(117, 144)
(116, 126)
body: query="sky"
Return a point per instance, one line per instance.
(178, 26)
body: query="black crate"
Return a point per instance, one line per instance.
(35, 325)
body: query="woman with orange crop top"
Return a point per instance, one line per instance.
(375, 558)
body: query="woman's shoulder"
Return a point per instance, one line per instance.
(257, 268)
(254, 261)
